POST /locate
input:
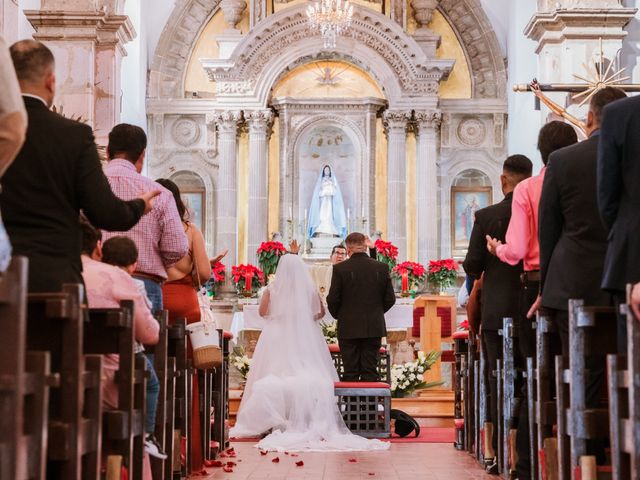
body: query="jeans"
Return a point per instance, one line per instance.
(153, 390)
(5, 248)
(154, 293)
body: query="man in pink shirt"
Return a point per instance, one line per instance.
(521, 244)
(159, 236)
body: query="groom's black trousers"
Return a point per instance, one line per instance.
(360, 359)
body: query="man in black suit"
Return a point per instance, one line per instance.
(573, 240)
(56, 174)
(360, 294)
(619, 199)
(501, 282)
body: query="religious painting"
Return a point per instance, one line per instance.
(465, 202)
(194, 202)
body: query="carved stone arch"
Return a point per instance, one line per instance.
(400, 65)
(350, 127)
(194, 163)
(480, 45)
(177, 41)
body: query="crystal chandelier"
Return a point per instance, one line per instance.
(330, 18)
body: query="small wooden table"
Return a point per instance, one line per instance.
(431, 328)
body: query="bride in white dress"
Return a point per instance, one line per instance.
(289, 389)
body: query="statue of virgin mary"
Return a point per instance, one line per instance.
(327, 215)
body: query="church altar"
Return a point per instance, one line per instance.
(400, 316)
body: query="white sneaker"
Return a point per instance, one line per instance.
(153, 448)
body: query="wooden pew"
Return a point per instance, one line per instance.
(164, 415)
(221, 395)
(590, 333)
(55, 323)
(24, 384)
(624, 403)
(177, 350)
(110, 331)
(460, 349)
(507, 397)
(541, 399)
(470, 400)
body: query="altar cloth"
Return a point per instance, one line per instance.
(399, 317)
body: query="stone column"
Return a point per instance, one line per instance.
(227, 189)
(9, 17)
(259, 122)
(427, 127)
(87, 43)
(396, 122)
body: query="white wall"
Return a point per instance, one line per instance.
(524, 121)
(133, 75)
(497, 10)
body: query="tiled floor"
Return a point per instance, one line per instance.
(437, 461)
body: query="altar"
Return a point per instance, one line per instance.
(399, 317)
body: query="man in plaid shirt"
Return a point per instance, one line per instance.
(160, 235)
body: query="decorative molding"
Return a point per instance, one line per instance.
(471, 131)
(479, 41)
(430, 120)
(185, 131)
(259, 121)
(228, 121)
(232, 11)
(396, 121)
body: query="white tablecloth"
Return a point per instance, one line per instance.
(400, 316)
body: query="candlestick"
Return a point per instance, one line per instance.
(291, 212)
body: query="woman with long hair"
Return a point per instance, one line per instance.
(181, 299)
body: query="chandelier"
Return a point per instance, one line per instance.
(330, 18)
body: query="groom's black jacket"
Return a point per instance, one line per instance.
(360, 293)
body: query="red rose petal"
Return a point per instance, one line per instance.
(222, 455)
(216, 463)
(231, 464)
(286, 453)
(295, 455)
(276, 460)
(300, 463)
(353, 460)
(262, 452)
(371, 474)
(227, 469)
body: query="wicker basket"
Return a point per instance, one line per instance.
(205, 340)
(206, 358)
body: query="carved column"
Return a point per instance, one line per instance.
(88, 45)
(259, 122)
(226, 208)
(396, 122)
(427, 127)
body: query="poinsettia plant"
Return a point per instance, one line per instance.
(269, 254)
(411, 274)
(386, 252)
(247, 278)
(218, 271)
(442, 274)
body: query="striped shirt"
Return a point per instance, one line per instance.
(159, 235)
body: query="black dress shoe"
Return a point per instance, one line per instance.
(492, 468)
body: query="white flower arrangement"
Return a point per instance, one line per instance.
(241, 361)
(410, 376)
(330, 331)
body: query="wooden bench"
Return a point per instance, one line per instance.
(55, 323)
(624, 403)
(507, 393)
(460, 349)
(591, 334)
(110, 331)
(221, 396)
(177, 350)
(164, 413)
(24, 384)
(541, 399)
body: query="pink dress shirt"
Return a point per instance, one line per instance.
(106, 285)
(159, 235)
(521, 241)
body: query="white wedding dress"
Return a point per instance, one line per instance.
(289, 389)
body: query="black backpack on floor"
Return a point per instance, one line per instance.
(405, 423)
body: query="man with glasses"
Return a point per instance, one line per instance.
(338, 254)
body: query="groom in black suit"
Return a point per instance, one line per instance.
(360, 294)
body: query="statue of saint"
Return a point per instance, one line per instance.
(327, 215)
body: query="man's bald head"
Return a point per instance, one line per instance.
(34, 65)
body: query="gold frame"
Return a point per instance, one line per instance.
(487, 190)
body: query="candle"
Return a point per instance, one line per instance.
(305, 214)
(405, 281)
(247, 281)
(290, 212)
(362, 213)
(348, 215)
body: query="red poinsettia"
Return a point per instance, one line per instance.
(411, 274)
(218, 271)
(269, 254)
(247, 277)
(443, 273)
(386, 252)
